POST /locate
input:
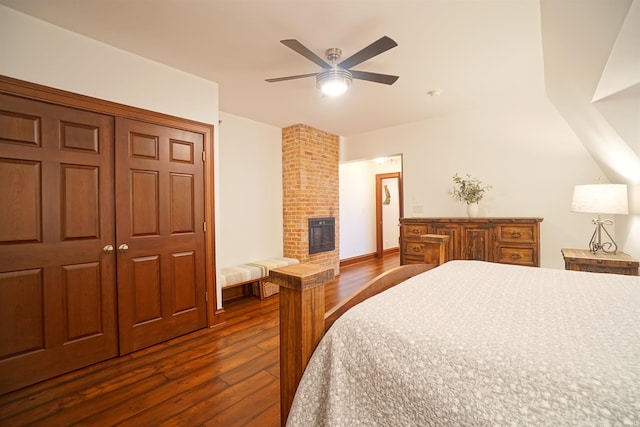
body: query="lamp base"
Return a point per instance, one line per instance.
(595, 244)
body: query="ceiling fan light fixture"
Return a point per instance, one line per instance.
(334, 81)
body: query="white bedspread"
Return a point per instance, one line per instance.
(480, 344)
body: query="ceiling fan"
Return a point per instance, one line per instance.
(335, 77)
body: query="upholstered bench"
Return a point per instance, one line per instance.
(251, 278)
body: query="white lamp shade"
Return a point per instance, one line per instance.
(334, 81)
(334, 87)
(600, 199)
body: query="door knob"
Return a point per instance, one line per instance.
(108, 249)
(123, 248)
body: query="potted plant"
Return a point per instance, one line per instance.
(469, 190)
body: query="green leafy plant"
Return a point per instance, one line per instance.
(469, 190)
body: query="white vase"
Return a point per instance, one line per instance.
(472, 210)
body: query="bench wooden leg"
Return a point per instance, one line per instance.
(258, 289)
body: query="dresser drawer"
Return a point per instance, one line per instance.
(516, 255)
(413, 253)
(517, 233)
(414, 249)
(414, 230)
(414, 259)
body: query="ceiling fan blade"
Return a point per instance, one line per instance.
(302, 50)
(374, 77)
(376, 48)
(280, 79)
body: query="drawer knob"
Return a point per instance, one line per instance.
(516, 256)
(416, 249)
(516, 235)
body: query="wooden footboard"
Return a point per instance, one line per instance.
(303, 320)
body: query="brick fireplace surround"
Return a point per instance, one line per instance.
(310, 190)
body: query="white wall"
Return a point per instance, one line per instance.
(527, 152)
(357, 209)
(39, 52)
(250, 179)
(628, 226)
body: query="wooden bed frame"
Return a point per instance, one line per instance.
(303, 319)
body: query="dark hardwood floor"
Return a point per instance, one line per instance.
(212, 377)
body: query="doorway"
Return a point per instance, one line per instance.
(389, 210)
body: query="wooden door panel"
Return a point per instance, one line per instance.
(19, 128)
(82, 299)
(181, 152)
(160, 206)
(147, 303)
(145, 200)
(143, 146)
(181, 201)
(57, 286)
(78, 136)
(80, 202)
(20, 217)
(183, 270)
(476, 242)
(21, 296)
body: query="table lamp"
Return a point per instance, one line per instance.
(601, 199)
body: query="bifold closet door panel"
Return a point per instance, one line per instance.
(160, 236)
(57, 273)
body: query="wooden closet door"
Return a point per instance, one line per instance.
(160, 236)
(57, 284)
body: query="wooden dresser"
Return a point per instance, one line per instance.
(503, 240)
(584, 260)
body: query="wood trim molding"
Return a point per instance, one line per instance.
(62, 97)
(367, 257)
(357, 259)
(38, 92)
(379, 178)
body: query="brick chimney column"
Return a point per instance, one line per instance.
(310, 190)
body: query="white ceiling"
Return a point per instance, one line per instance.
(477, 52)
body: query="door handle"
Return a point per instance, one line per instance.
(123, 248)
(108, 249)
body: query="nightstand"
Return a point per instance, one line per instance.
(584, 260)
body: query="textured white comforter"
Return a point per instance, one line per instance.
(481, 344)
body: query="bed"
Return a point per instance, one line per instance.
(473, 343)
